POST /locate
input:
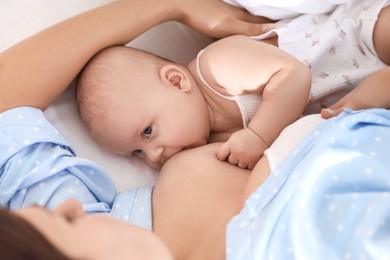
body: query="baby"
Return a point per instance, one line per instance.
(238, 91)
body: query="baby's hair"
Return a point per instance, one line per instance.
(101, 77)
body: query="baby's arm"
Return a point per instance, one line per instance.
(241, 65)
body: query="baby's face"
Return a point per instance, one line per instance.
(155, 125)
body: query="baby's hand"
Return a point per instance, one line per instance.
(244, 149)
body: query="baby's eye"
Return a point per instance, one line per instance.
(148, 131)
(137, 152)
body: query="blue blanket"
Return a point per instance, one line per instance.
(330, 199)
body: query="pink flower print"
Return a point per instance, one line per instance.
(307, 35)
(347, 80)
(342, 34)
(311, 97)
(323, 103)
(307, 62)
(323, 75)
(336, 23)
(315, 42)
(355, 63)
(332, 50)
(344, 11)
(360, 47)
(313, 20)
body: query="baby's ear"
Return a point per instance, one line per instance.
(175, 76)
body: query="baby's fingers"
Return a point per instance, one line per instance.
(233, 160)
(242, 165)
(223, 152)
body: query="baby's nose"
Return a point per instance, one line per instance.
(154, 154)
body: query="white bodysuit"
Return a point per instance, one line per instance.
(337, 47)
(248, 104)
(283, 9)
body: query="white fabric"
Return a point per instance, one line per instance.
(289, 138)
(282, 9)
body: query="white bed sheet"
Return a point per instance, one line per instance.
(22, 18)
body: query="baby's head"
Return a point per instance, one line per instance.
(136, 103)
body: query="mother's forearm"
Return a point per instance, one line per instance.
(35, 71)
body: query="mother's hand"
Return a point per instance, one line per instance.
(218, 19)
(372, 92)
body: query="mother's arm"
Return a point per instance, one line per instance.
(37, 70)
(373, 91)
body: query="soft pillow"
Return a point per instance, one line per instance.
(22, 18)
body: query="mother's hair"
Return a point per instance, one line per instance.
(21, 240)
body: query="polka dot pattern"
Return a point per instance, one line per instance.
(329, 200)
(37, 166)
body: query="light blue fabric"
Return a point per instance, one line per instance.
(135, 207)
(37, 166)
(330, 199)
